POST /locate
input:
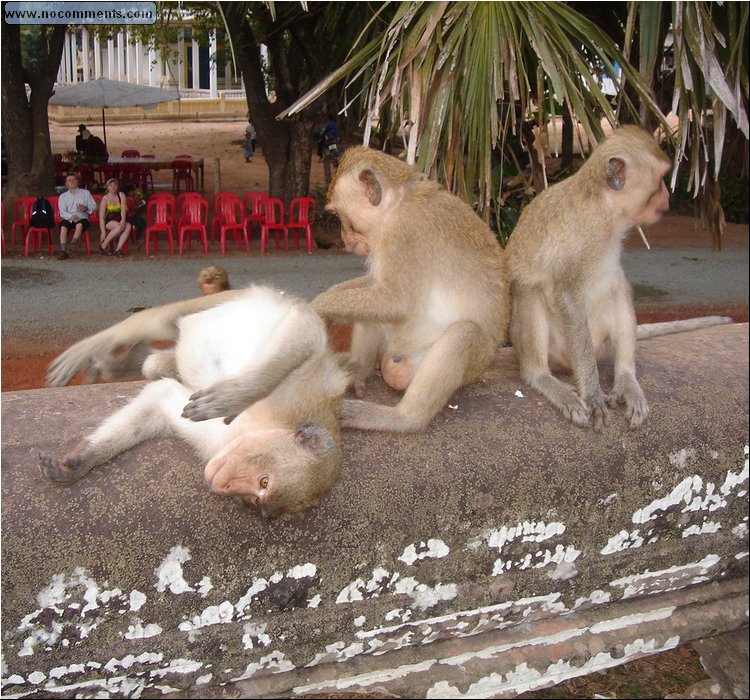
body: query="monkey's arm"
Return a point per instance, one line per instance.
(583, 356)
(296, 339)
(379, 302)
(110, 353)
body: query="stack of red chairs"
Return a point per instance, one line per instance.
(273, 220)
(301, 217)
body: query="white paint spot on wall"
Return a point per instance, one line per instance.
(351, 592)
(202, 680)
(259, 585)
(137, 600)
(666, 579)
(275, 662)
(36, 677)
(359, 621)
(255, 632)
(182, 666)
(205, 586)
(212, 615)
(434, 549)
(303, 571)
(705, 528)
(367, 679)
(138, 631)
(169, 572)
(680, 458)
(314, 602)
(425, 596)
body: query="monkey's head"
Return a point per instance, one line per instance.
(277, 471)
(367, 187)
(633, 167)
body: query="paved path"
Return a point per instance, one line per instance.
(44, 299)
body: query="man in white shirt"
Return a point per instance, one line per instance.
(75, 205)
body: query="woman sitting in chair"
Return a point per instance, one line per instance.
(113, 219)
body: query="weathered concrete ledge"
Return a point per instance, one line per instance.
(501, 550)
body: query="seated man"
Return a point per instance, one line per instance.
(92, 147)
(75, 205)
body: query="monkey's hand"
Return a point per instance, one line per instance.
(596, 402)
(74, 465)
(224, 399)
(627, 390)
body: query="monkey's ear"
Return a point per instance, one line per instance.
(372, 187)
(315, 438)
(616, 173)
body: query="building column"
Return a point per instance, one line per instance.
(152, 67)
(97, 58)
(138, 61)
(180, 59)
(120, 57)
(64, 63)
(85, 49)
(213, 66)
(196, 65)
(111, 68)
(73, 56)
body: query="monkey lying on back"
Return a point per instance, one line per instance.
(254, 356)
(433, 308)
(569, 292)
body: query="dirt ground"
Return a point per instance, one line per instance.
(654, 677)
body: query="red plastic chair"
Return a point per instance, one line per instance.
(179, 200)
(182, 172)
(21, 218)
(228, 218)
(130, 153)
(253, 211)
(301, 218)
(193, 219)
(273, 220)
(33, 237)
(160, 218)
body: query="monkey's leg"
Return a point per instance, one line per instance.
(161, 364)
(530, 335)
(149, 414)
(367, 342)
(442, 372)
(583, 357)
(626, 388)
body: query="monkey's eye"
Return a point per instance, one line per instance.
(264, 482)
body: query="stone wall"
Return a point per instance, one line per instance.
(499, 551)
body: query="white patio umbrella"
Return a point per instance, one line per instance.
(104, 93)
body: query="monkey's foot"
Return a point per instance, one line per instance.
(599, 412)
(74, 465)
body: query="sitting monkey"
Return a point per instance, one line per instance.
(256, 358)
(570, 297)
(433, 308)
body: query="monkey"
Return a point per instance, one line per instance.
(433, 307)
(255, 357)
(570, 299)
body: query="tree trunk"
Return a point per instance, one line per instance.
(25, 120)
(287, 144)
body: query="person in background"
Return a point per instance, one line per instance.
(328, 134)
(250, 137)
(75, 206)
(79, 137)
(113, 219)
(137, 214)
(213, 279)
(92, 147)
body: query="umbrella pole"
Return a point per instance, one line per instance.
(104, 129)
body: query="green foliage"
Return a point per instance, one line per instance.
(323, 218)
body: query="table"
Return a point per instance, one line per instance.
(158, 163)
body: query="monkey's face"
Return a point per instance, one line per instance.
(655, 194)
(357, 201)
(276, 471)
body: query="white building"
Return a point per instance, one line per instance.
(191, 67)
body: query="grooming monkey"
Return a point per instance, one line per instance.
(433, 307)
(570, 297)
(256, 358)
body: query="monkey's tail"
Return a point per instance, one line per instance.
(652, 330)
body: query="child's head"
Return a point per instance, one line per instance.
(213, 279)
